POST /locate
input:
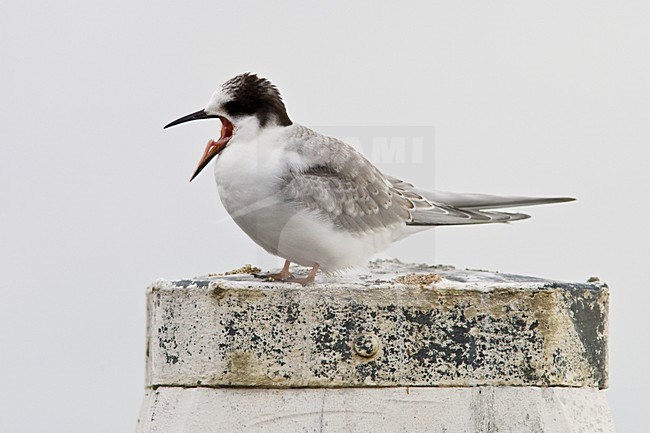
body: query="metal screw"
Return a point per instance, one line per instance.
(366, 345)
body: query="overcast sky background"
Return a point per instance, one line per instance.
(550, 98)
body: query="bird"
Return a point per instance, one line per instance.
(313, 199)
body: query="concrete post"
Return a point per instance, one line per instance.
(400, 348)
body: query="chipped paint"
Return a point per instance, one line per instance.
(469, 328)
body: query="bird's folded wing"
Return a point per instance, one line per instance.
(368, 203)
(364, 203)
(343, 187)
(473, 201)
(428, 213)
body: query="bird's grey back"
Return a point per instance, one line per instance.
(342, 186)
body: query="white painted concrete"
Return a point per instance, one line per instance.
(373, 410)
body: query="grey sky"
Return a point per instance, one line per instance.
(543, 99)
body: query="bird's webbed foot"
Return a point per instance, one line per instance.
(278, 276)
(309, 279)
(283, 276)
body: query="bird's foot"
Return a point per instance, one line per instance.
(283, 275)
(309, 279)
(279, 276)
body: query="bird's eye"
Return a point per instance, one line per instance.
(235, 108)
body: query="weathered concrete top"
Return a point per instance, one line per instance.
(386, 327)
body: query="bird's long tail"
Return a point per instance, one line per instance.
(486, 201)
(431, 208)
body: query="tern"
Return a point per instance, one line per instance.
(314, 200)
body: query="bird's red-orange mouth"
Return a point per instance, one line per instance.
(213, 148)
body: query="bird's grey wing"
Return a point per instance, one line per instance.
(426, 212)
(366, 203)
(473, 201)
(345, 188)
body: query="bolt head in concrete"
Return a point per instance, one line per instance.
(366, 345)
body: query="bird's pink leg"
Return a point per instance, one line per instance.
(283, 275)
(309, 278)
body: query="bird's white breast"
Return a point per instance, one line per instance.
(248, 171)
(249, 175)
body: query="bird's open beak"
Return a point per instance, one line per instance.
(201, 114)
(213, 147)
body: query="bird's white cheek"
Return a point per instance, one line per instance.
(215, 104)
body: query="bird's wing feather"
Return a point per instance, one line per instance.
(359, 204)
(343, 187)
(473, 201)
(429, 213)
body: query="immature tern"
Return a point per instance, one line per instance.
(312, 199)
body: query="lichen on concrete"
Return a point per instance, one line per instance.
(246, 269)
(419, 279)
(462, 328)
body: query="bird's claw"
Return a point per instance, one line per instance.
(278, 277)
(306, 281)
(281, 278)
